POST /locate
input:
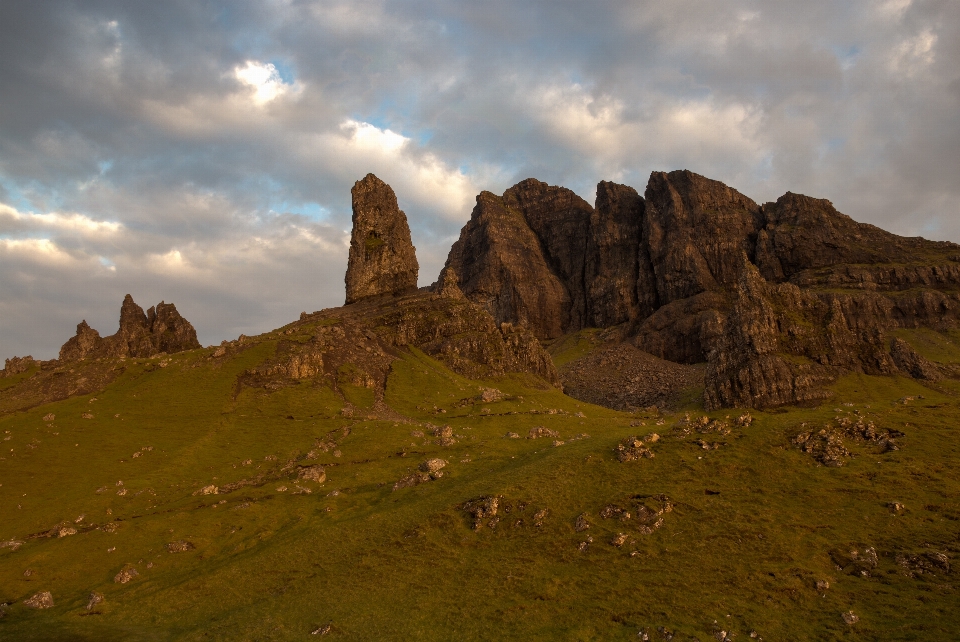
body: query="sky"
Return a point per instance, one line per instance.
(202, 152)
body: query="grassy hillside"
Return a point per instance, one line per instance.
(732, 538)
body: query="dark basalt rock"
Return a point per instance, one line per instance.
(619, 276)
(779, 299)
(696, 231)
(382, 257)
(85, 342)
(561, 221)
(503, 269)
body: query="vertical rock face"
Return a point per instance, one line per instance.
(140, 334)
(561, 221)
(696, 230)
(777, 299)
(503, 269)
(619, 277)
(382, 257)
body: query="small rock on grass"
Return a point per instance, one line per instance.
(312, 473)
(322, 630)
(41, 600)
(432, 465)
(125, 575)
(94, 599)
(850, 617)
(541, 431)
(180, 546)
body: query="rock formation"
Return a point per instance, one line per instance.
(382, 257)
(503, 269)
(160, 329)
(778, 299)
(17, 365)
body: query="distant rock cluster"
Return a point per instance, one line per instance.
(141, 334)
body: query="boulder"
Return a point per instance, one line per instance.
(382, 257)
(41, 600)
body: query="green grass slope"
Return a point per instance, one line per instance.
(747, 530)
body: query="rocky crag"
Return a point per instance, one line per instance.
(382, 297)
(355, 345)
(88, 362)
(141, 334)
(382, 259)
(778, 299)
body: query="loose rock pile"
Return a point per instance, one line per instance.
(827, 444)
(624, 377)
(931, 563)
(856, 561)
(632, 449)
(41, 600)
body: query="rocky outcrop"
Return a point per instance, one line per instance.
(160, 329)
(912, 363)
(17, 365)
(778, 299)
(696, 231)
(382, 257)
(561, 222)
(747, 367)
(169, 331)
(462, 335)
(87, 341)
(803, 233)
(503, 269)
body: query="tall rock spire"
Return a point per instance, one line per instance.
(382, 257)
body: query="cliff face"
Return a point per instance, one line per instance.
(502, 268)
(778, 299)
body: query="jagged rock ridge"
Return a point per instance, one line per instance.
(778, 299)
(141, 334)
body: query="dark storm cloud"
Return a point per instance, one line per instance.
(203, 152)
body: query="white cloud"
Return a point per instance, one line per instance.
(55, 222)
(263, 79)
